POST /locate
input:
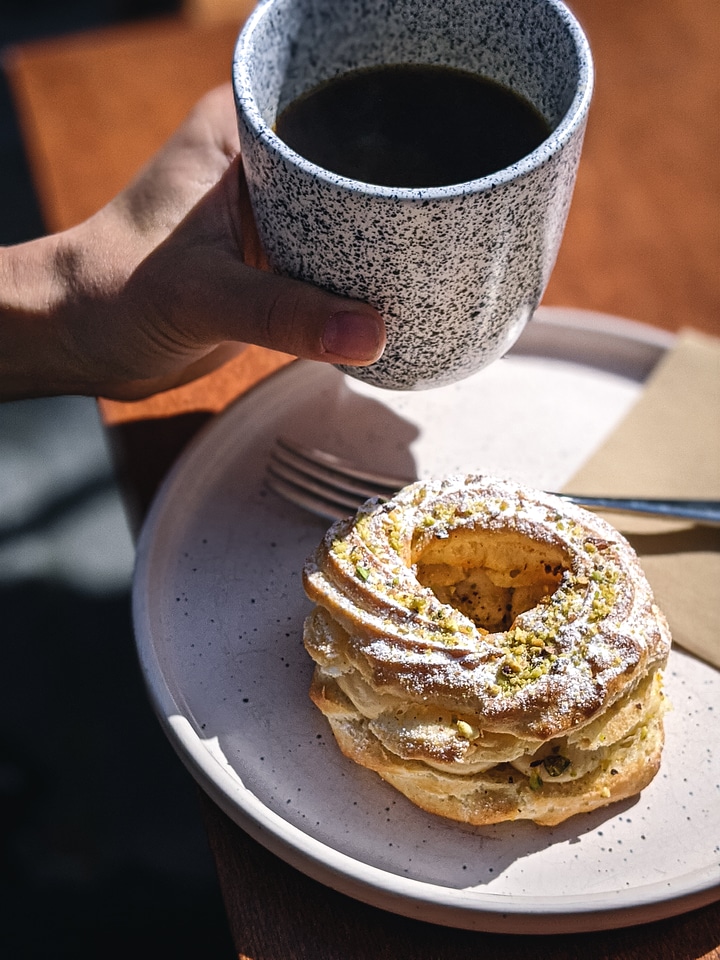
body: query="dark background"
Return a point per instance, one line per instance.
(102, 850)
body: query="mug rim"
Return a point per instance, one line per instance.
(571, 120)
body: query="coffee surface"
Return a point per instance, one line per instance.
(412, 125)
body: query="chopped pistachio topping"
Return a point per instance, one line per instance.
(555, 764)
(535, 781)
(467, 730)
(341, 549)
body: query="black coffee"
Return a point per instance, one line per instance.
(412, 126)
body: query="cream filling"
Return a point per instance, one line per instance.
(455, 744)
(559, 764)
(442, 741)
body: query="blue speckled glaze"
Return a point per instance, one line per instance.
(456, 271)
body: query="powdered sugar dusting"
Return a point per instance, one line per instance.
(562, 662)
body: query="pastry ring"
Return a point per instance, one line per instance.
(492, 651)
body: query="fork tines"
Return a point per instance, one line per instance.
(323, 483)
(334, 488)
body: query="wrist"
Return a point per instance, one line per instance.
(53, 292)
(34, 357)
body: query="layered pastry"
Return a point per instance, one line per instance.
(492, 651)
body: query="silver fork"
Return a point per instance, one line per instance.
(334, 488)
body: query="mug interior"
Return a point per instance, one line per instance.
(534, 47)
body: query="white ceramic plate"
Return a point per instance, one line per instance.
(219, 606)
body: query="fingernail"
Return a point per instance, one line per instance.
(353, 336)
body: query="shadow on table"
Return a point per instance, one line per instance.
(102, 849)
(103, 852)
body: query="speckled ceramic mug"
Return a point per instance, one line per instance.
(456, 271)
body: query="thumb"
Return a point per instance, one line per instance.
(227, 292)
(298, 318)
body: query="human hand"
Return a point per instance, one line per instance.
(168, 280)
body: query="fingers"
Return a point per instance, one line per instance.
(217, 111)
(296, 317)
(212, 289)
(256, 306)
(194, 292)
(284, 314)
(189, 164)
(303, 320)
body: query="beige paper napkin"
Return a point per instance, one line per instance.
(669, 445)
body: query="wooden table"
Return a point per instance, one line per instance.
(642, 242)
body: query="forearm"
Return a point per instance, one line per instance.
(164, 283)
(68, 324)
(36, 357)
(75, 318)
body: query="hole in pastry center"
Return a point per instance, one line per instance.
(491, 577)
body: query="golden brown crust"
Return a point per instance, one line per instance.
(470, 624)
(502, 792)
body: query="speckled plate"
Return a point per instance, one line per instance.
(218, 607)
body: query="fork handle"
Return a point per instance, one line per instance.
(705, 511)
